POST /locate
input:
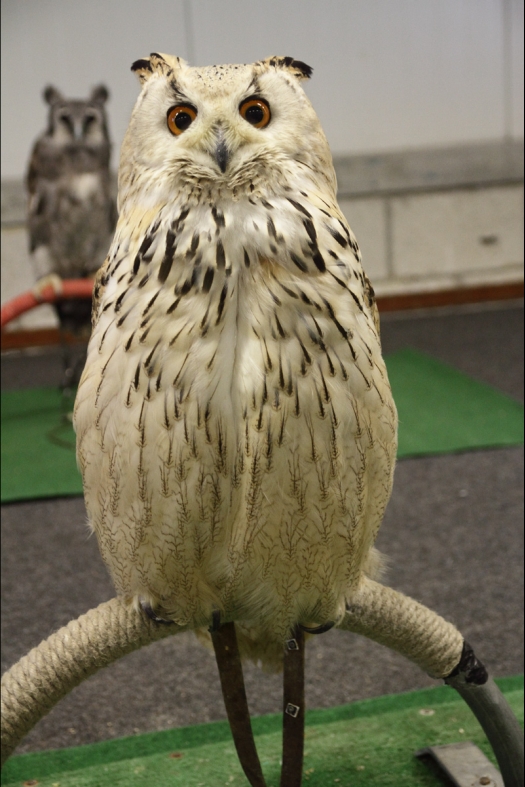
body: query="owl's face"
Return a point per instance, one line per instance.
(75, 122)
(223, 126)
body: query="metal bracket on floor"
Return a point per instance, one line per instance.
(464, 764)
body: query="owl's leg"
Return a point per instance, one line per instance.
(73, 361)
(74, 317)
(231, 676)
(53, 281)
(293, 714)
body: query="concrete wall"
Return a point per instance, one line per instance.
(421, 100)
(438, 218)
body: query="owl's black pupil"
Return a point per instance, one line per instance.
(183, 120)
(254, 114)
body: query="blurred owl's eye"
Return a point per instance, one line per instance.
(66, 120)
(180, 118)
(88, 120)
(256, 111)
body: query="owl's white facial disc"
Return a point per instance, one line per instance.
(220, 147)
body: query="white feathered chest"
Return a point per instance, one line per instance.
(235, 426)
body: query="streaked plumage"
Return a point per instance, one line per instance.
(235, 426)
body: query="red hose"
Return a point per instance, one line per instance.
(71, 288)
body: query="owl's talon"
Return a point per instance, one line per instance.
(215, 621)
(148, 609)
(318, 629)
(52, 280)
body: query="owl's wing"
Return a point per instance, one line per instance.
(371, 301)
(368, 290)
(98, 290)
(37, 212)
(33, 171)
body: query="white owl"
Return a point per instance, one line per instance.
(71, 212)
(235, 426)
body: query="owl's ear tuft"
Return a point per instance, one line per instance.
(296, 67)
(99, 94)
(143, 69)
(157, 64)
(52, 95)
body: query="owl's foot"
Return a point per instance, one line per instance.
(148, 609)
(52, 280)
(318, 629)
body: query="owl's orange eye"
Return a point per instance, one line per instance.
(256, 111)
(180, 118)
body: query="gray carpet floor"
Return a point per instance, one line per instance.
(452, 533)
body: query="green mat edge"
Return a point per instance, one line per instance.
(55, 761)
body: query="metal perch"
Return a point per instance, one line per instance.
(71, 288)
(50, 671)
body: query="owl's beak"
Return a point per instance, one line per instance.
(222, 153)
(78, 131)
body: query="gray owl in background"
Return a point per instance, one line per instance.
(71, 213)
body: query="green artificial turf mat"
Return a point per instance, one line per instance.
(440, 410)
(38, 446)
(370, 743)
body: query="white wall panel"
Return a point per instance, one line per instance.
(388, 75)
(515, 54)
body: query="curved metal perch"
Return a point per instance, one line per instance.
(47, 673)
(499, 724)
(404, 625)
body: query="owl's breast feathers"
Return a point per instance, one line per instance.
(236, 430)
(71, 211)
